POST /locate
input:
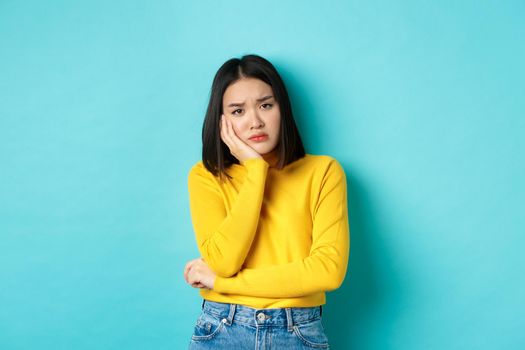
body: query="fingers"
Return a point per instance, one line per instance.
(191, 273)
(238, 148)
(198, 285)
(226, 133)
(194, 279)
(223, 129)
(197, 273)
(236, 140)
(187, 269)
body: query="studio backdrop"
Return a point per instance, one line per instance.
(101, 110)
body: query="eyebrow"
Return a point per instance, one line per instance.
(236, 104)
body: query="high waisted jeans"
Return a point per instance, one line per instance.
(237, 327)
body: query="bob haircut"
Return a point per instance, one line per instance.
(216, 155)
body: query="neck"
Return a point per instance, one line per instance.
(271, 158)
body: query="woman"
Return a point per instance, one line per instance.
(270, 221)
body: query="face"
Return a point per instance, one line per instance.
(251, 106)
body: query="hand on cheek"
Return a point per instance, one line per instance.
(238, 148)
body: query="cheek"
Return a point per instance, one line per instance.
(237, 127)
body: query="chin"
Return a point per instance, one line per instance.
(262, 150)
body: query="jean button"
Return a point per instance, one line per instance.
(261, 317)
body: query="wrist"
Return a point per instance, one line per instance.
(251, 160)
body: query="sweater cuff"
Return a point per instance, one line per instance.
(253, 163)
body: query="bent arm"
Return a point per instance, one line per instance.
(224, 238)
(325, 267)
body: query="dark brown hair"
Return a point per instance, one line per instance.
(216, 155)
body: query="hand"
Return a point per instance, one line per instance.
(238, 147)
(198, 274)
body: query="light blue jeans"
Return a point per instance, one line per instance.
(237, 327)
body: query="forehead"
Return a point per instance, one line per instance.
(246, 88)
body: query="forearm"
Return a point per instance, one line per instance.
(310, 275)
(224, 237)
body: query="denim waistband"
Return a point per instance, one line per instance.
(288, 317)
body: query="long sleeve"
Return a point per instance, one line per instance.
(224, 238)
(325, 267)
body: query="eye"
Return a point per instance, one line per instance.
(237, 111)
(266, 105)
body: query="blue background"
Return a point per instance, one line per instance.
(101, 107)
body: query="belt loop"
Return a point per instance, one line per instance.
(231, 314)
(203, 301)
(289, 319)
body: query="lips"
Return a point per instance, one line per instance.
(261, 136)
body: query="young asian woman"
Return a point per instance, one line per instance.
(270, 220)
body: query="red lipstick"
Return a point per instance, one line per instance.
(259, 137)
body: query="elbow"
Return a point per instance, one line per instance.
(224, 264)
(334, 283)
(335, 279)
(223, 268)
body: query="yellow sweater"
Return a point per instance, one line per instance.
(275, 238)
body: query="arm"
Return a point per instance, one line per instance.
(224, 239)
(325, 267)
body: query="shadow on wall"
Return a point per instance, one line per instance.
(365, 297)
(368, 299)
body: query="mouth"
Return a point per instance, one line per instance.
(259, 137)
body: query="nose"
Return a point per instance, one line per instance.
(255, 121)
